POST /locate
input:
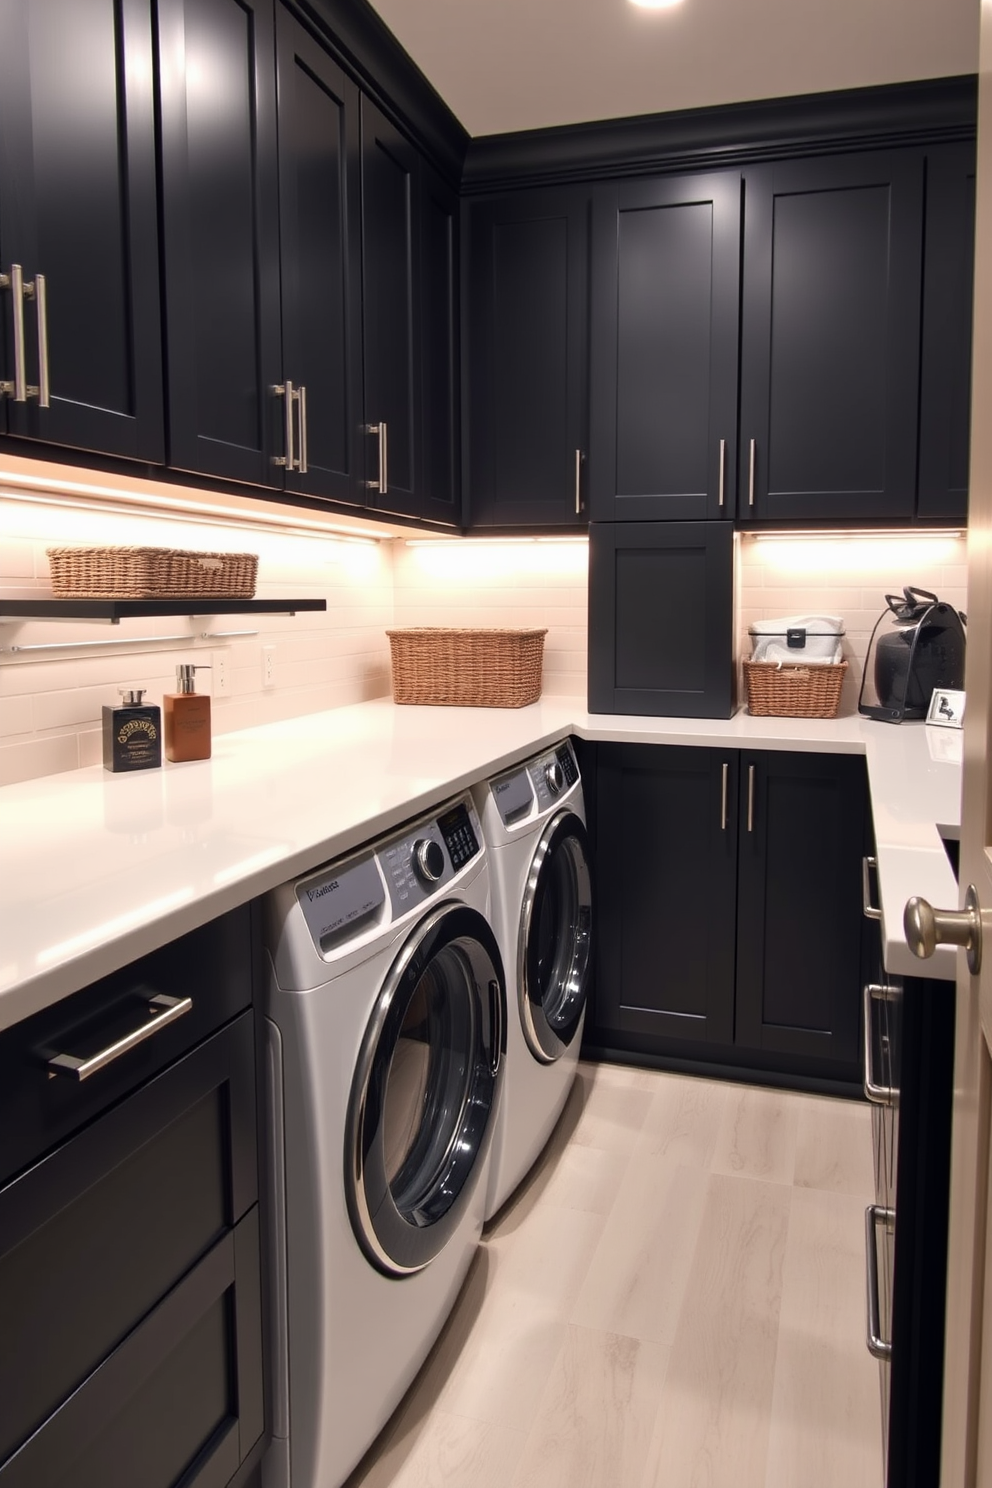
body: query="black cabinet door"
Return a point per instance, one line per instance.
(391, 269)
(661, 619)
(221, 237)
(78, 207)
(945, 372)
(666, 846)
(320, 242)
(528, 395)
(438, 495)
(830, 338)
(801, 832)
(130, 1286)
(666, 288)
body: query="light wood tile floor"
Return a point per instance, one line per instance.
(674, 1299)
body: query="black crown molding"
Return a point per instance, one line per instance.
(919, 113)
(371, 53)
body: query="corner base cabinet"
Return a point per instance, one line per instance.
(130, 1280)
(730, 907)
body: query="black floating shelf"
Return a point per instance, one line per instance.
(128, 609)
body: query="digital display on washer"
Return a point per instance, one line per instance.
(513, 796)
(460, 840)
(331, 903)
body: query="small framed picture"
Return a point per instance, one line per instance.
(946, 708)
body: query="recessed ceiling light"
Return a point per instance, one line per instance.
(655, 4)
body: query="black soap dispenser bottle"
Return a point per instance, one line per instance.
(132, 733)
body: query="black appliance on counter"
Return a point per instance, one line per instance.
(909, 1065)
(918, 643)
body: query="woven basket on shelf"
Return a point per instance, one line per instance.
(780, 690)
(467, 668)
(148, 573)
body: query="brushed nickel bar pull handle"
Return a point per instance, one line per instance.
(285, 390)
(723, 464)
(750, 798)
(870, 911)
(750, 482)
(878, 1347)
(579, 457)
(879, 1095)
(723, 797)
(301, 395)
(18, 389)
(170, 1008)
(379, 484)
(36, 290)
(384, 450)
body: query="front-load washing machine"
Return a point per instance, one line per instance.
(385, 1041)
(533, 819)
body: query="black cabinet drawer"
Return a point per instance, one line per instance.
(179, 1400)
(211, 966)
(95, 1235)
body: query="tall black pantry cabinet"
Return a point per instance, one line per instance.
(80, 336)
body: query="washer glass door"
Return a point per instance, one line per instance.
(555, 939)
(425, 1089)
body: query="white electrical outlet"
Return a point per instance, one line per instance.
(268, 666)
(220, 675)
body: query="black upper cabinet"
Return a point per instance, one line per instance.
(320, 244)
(390, 262)
(409, 268)
(221, 234)
(78, 208)
(666, 285)
(945, 374)
(830, 338)
(440, 447)
(528, 362)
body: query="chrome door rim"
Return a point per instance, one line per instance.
(542, 1040)
(467, 927)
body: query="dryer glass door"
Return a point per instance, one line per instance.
(555, 939)
(425, 1089)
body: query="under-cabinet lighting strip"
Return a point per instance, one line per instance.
(109, 499)
(852, 534)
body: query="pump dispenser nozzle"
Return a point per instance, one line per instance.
(185, 676)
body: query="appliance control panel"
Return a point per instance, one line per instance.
(553, 774)
(427, 857)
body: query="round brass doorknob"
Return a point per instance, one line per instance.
(927, 928)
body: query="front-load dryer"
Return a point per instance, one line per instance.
(533, 819)
(385, 1041)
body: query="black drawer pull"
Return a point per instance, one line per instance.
(168, 1010)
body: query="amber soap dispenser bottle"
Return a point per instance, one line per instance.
(187, 718)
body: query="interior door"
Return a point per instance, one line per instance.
(967, 1417)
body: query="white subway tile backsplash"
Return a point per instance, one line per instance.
(50, 702)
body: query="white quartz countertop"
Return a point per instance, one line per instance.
(96, 869)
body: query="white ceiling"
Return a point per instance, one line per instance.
(524, 64)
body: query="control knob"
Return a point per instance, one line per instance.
(555, 778)
(428, 860)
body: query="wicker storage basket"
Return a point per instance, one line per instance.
(467, 668)
(149, 573)
(783, 691)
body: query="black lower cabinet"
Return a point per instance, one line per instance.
(130, 1280)
(729, 908)
(661, 619)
